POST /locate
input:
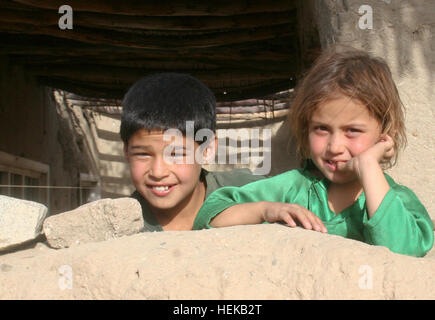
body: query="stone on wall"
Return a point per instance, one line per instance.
(96, 221)
(20, 221)
(243, 262)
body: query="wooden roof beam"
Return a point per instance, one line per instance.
(170, 63)
(108, 75)
(114, 91)
(46, 18)
(267, 50)
(168, 8)
(150, 40)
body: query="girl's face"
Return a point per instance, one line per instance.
(339, 130)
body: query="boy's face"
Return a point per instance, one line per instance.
(339, 130)
(164, 185)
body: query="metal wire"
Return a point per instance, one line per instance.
(42, 187)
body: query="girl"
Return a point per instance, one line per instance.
(348, 123)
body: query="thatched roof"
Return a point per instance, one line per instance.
(240, 49)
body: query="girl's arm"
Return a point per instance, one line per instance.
(263, 211)
(259, 201)
(370, 174)
(400, 223)
(395, 217)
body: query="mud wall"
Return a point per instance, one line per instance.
(30, 127)
(401, 32)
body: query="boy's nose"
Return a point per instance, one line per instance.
(158, 169)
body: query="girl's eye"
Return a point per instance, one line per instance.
(353, 130)
(320, 128)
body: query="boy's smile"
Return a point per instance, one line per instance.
(339, 130)
(161, 190)
(169, 188)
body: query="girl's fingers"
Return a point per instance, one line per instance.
(342, 166)
(289, 220)
(321, 225)
(389, 148)
(317, 223)
(296, 214)
(388, 141)
(303, 219)
(389, 154)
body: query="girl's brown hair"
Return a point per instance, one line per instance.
(354, 74)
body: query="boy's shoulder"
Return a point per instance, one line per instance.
(236, 177)
(150, 222)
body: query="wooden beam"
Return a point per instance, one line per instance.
(75, 97)
(257, 90)
(117, 91)
(220, 107)
(48, 18)
(250, 109)
(168, 8)
(200, 23)
(84, 89)
(269, 50)
(277, 101)
(110, 74)
(250, 103)
(174, 63)
(148, 40)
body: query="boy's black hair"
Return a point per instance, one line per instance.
(166, 101)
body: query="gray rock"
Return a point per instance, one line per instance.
(20, 221)
(96, 221)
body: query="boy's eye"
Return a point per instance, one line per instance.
(140, 154)
(178, 154)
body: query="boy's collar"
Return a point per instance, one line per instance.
(203, 174)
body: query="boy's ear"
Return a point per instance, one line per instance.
(210, 151)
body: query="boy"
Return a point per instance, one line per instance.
(171, 190)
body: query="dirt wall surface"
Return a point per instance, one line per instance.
(31, 128)
(401, 32)
(242, 262)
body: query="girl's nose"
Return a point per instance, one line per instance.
(335, 144)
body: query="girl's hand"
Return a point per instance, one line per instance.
(380, 152)
(292, 214)
(369, 172)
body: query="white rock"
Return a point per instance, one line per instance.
(95, 221)
(20, 221)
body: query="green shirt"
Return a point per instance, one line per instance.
(401, 222)
(213, 181)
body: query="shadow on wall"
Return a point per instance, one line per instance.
(268, 158)
(284, 156)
